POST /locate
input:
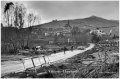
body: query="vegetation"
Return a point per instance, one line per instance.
(7, 12)
(95, 38)
(14, 35)
(72, 68)
(115, 36)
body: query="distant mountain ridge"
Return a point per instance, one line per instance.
(92, 21)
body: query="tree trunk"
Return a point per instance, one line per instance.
(28, 40)
(8, 18)
(11, 21)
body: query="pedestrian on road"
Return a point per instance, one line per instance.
(71, 48)
(65, 49)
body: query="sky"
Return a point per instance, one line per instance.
(64, 10)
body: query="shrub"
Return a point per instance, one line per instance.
(13, 51)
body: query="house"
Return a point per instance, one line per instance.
(46, 34)
(57, 33)
(98, 32)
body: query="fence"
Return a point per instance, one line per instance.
(33, 62)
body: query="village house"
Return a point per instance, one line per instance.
(98, 32)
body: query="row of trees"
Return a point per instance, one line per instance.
(115, 36)
(75, 36)
(78, 36)
(16, 16)
(83, 36)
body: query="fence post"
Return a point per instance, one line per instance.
(44, 59)
(33, 64)
(40, 62)
(23, 63)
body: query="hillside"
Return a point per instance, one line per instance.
(91, 22)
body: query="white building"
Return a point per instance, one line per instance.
(98, 32)
(46, 34)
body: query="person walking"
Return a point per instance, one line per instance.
(65, 49)
(71, 48)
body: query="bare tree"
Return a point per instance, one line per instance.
(14, 14)
(31, 18)
(8, 17)
(7, 12)
(19, 14)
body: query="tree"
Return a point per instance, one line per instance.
(75, 30)
(1, 25)
(19, 20)
(76, 34)
(14, 14)
(19, 14)
(95, 38)
(7, 10)
(31, 19)
(8, 16)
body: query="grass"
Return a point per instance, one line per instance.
(11, 57)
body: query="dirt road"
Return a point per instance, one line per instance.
(12, 67)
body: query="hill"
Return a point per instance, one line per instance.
(91, 22)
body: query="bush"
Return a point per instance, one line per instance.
(36, 52)
(13, 51)
(26, 47)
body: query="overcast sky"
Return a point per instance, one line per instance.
(49, 10)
